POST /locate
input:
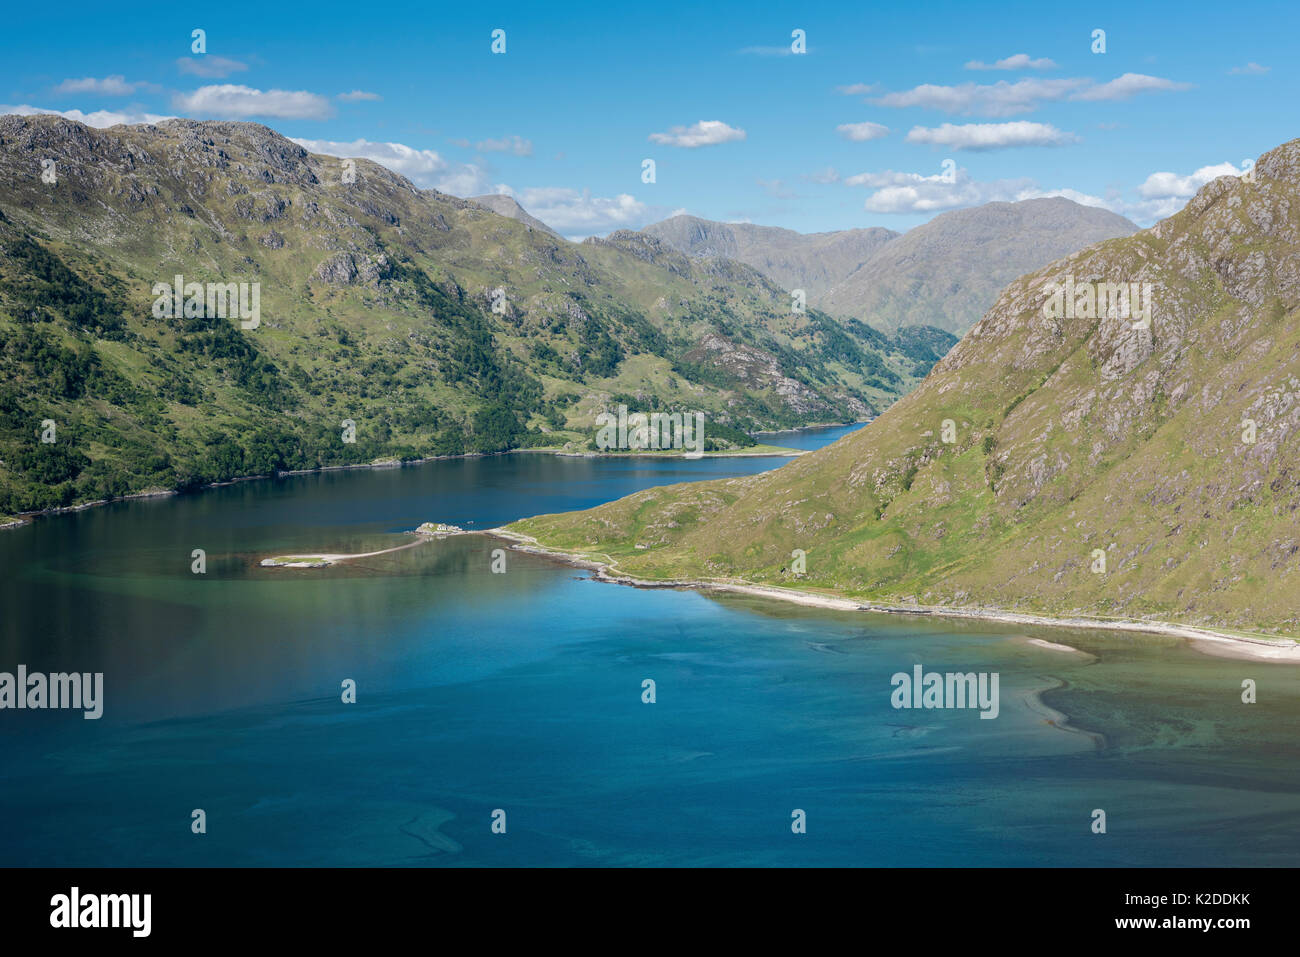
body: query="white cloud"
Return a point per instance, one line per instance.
(935, 197)
(1160, 196)
(703, 133)
(1006, 98)
(1252, 68)
(856, 89)
(232, 101)
(991, 136)
(1128, 85)
(889, 178)
(506, 144)
(862, 132)
(98, 119)
(766, 51)
(210, 67)
(1018, 61)
(1083, 199)
(571, 211)
(412, 163)
(466, 179)
(358, 95)
(425, 168)
(1163, 194)
(115, 85)
(911, 193)
(1159, 185)
(828, 175)
(775, 188)
(1003, 98)
(896, 192)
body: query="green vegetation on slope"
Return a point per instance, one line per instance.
(394, 322)
(1173, 452)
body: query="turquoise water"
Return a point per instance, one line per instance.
(522, 692)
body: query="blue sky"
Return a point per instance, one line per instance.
(854, 132)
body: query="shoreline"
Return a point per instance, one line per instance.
(775, 452)
(1204, 640)
(25, 518)
(815, 428)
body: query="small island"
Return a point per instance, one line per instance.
(438, 529)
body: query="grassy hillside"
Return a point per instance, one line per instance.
(432, 324)
(1072, 436)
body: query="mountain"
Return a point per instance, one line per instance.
(948, 272)
(504, 205)
(813, 262)
(429, 323)
(1170, 448)
(945, 273)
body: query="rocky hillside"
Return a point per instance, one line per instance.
(945, 273)
(431, 324)
(1058, 460)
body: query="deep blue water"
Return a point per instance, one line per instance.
(522, 692)
(808, 438)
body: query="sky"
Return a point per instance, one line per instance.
(889, 115)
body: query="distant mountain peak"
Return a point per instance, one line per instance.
(976, 251)
(812, 262)
(885, 277)
(505, 205)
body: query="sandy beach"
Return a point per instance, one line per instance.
(1205, 640)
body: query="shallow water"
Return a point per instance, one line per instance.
(522, 692)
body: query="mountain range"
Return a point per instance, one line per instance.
(1118, 436)
(814, 262)
(945, 273)
(392, 322)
